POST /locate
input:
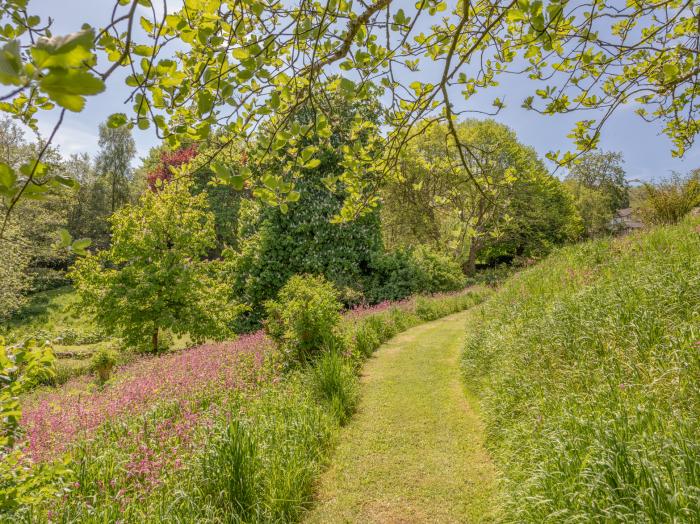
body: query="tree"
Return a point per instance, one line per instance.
(300, 237)
(593, 206)
(233, 72)
(14, 278)
(88, 216)
(33, 230)
(603, 172)
(154, 276)
(113, 161)
(504, 190)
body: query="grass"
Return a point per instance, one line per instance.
(55, 315)
(217, 433)
(587, 369)
(413, 452)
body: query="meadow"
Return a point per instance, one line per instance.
(220, 432)
(586, 368)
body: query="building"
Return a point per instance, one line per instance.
(625, 221)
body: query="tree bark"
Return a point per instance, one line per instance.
(469, 267)
(154, 340)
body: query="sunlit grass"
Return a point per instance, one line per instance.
(588, 367)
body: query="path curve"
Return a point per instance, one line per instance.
(414, 451)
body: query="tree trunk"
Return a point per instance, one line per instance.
(154, 340)
(469, 267)
(114, 198)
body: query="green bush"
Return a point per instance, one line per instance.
(587, 366)
(103, 362)
(394, 275)
(438, 272)
(669, 201)
(304, 317)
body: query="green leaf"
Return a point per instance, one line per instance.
(241, 53)
(670, 71)
(10, 63)
(68, 88)
(65, 238)
(64, 51)
(66, 181)
(205, 102)
(270, 181)
(79, 246)
(347, 85)
(8, 177)
(237, 182)
(146, 24)
(313, 163)
(116, 120)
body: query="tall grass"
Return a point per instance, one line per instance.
(218, 433)
(587, 367)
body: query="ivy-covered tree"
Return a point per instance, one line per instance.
(232, 72)
(154, 276)
(301, 237)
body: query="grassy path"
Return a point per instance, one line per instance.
(413, 452)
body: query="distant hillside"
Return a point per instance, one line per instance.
(588, 371)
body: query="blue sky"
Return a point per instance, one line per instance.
(646, 150)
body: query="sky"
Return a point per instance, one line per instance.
(647, 152)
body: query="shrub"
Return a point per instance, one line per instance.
(103, 362)
(438, 272)
(669, 201)
(394, 276)
(304, 317)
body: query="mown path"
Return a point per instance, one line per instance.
(413, 452)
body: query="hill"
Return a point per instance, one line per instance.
(587, 369)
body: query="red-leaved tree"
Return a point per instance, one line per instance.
(170, 159)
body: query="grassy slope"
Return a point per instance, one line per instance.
(413, 452)
(588, 367)
(55, 315)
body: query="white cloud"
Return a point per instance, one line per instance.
(71, 137)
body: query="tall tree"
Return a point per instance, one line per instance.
(436, 200)
(154, 276)
(301, 237)
(113, 161)
(603, 171)
(599, 188)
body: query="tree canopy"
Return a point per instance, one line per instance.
(238, 71)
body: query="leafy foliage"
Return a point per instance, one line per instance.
(599, 188)
(240, 73)
(669, 201)
(21, 367)
(304, 317)
(154, 277)
(501, 197)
